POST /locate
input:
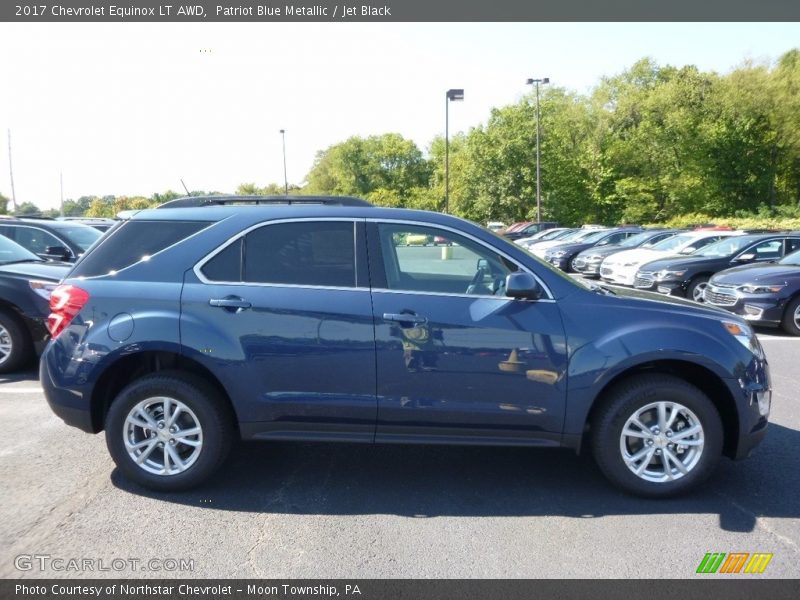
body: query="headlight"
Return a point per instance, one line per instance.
(42, 288)
(630, 264)
(594, 258)
(745, 336)
(558, 253)
(761, 289)
(667, 274)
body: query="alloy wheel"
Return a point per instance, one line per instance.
(6, 345)
(662, 441)
(163, 436)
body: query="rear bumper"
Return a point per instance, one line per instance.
(72, 407)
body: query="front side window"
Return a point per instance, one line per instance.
(456, 265)
(315, 253)
(35, 240)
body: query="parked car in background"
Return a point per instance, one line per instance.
(539, 248)
(99, 223)
(495, 226)
(177, 355)
(529, 230)
(25, 285)
(588, 261)
(620, 268)
(545, 234)
(687, 276)
(514, 227)
(48, 238)
(764, 294)
(561, 256)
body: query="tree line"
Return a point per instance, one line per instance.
(647, 145)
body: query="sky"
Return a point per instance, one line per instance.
(133, 108)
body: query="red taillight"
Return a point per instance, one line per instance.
(66, 301)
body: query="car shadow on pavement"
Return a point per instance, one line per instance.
(431, 481)
(29, 374)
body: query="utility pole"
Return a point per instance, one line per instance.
(11, 173)
(538, 151)
(285, 179)
(61, 178)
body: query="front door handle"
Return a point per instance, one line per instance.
(405, 318)
(230, 303)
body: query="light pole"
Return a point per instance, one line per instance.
(536, 82)
(451, 95)
(285, 179)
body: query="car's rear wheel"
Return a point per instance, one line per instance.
(16, 346)
(791, 317)
(656, 436)
(169, 431)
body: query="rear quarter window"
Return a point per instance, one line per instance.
(131, 242)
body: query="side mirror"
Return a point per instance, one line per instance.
(523, 286)
(688, 250)
(57, 252)
(483, 264)
(745, 257)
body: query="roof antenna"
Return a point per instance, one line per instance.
(188, 193)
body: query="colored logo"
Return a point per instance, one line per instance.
(735, 562)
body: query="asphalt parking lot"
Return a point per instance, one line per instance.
(326, 511)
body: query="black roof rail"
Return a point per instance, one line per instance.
(196, 201)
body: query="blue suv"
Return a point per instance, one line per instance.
(214, 319)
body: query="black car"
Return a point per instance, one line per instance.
(588, 262)
(765, 294)
(25, 285)
(561, 256)
(49, 238)
(99, 223)
(529, 230)
(688, 276)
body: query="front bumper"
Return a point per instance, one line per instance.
(618, 275)
(586, 267)
(562, 262)
(757, 308)
(752, 393)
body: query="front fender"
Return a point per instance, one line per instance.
(593, 365)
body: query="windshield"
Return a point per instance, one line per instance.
(637, 240)
(791, 259)
(725, 247)
(595, 237)
(81, 235)
(12, 252)
(551, 234)
(674, 243)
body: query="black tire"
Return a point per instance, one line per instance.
(698, 282)
(21, 352)
(623, 401)
(211, 409)
(788, 322)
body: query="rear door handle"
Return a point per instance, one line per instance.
(405, 318)
(233, 303)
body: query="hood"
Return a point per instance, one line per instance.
(686, 262)
(673, 303)
(602, 250)
(759, 273)
(635, 255)
(51, 271)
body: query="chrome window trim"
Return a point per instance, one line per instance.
(474, 239)
(201, 263)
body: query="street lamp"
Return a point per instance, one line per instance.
(536, 82)
(285, 180)
(452, 95)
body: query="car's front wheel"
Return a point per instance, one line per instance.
(169, 431)
(791, 317)
(657, 436)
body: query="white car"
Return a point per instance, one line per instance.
(495, 225)
(539, 248)
(620, 268)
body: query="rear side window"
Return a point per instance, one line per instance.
(131, 242)
(315, 253)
